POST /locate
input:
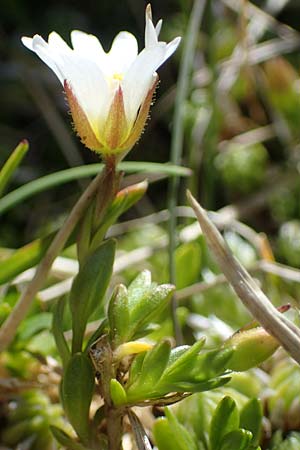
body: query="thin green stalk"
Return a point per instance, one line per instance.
(46, 182)
(210, 139)
(177, 139)
(9, 327)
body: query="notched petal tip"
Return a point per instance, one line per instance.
(149, 11)
(81, 122)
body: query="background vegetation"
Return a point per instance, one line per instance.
(241, 122)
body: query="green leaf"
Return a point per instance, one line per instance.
(64, 176)
(225, 419)
(65, 440)
(34, 324)
(118, 315)
(58, 331)
(194, 386)
(182, 362)
(213, 362)
(149, 306)
(187, 255)
(139, 288)
(237, 439)
(117, 393)
(251, 418)
(88, 289)
(23, 258)
(12, 164)
(135, 368)
(154, 363)
(77, 391)
(169, 434)
(31, 254)
(124, 200)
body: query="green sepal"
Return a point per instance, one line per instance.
(117, 393)
(88, 289)
(77, 391)
(118, 315)
(58, 332)
(237, 439)
(225, 419)
(65, 440)
(169, 434)
(12, 164)
(251, 419)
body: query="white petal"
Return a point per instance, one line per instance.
(89, 86)
(88, 46)
(158, 27)
(84, 77)
(150, 32)
(27, 41)
(57, 43)
(42, 49)
(139, 78)
(123, 52)
(171, 48)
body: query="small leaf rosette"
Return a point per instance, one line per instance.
(109, 94)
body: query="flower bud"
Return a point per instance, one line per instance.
(251, 348)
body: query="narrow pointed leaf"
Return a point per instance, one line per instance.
(124, 200)
(58, 332)
(77, 391)
(225, 419)
(117, 393)
(31, 254)
(12, 164)
(64, 176)
(151, 371)
(118, 315)
(145, 311)
(251, 419)
(237, 439)
(139, 288)
(170, 434)
(181, 366)
(65, 440)
(88, 289)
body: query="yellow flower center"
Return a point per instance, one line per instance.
(118, 76)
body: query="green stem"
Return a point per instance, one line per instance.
(9, 327)
(177, 141)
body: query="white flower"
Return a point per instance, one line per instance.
(109, 94)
